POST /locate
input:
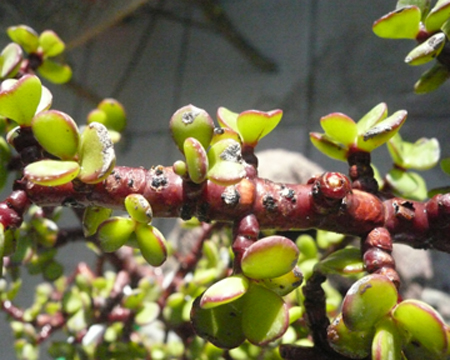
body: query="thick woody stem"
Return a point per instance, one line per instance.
(325, 203)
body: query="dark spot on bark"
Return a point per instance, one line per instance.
(186, 212)
(203, 211)
(269, 203)
(159, 170)
(230, 196)
(288, 193)
(71, 202)
(159, 181)
(218, 130)
(130, 183)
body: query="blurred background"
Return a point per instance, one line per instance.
(306, 57)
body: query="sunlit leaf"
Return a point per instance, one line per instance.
(151, 243)
(25, 37)
(139, 208)
(363, 306)
(329, 147)
(50, 43)
(52, 172)
(57, 133)
(387, 342)
(253, 125)
(426, 51)
(10, 60)
(196, 160)
(402, 23)
(224, 291)
(438, 15)
(265, 315)
(55, 72)
(340, 128)
(114, 232)
(258, 260)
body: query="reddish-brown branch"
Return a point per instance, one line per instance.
(275, 205)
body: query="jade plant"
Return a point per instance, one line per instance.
(244, 290)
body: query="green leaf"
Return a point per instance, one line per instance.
(340, 128)
(422, 155)
(345, 261)
(353, 344)
(139, 208)
(191, 121)
(224, 133)
(10, 60)
(221, 325)
(25, 37)
(224, 291)
(438, 15)
(196, 160)
(225, 163)
(329, 147)
(151, 243)
(432, 79)
(50, 43)
(93, 216)
(97, 157)
(265, 315)
(227, 119)
(403, 23)
(423, 325)
(114, 232)
(423, 5)
(363, 306)
(258, 260)
(284, 284)
(253, 125)
(445, 165)
(51, 172)
(374, 116)
(57, 133)
(110, 113)
(19, 99)
(381, 132)
(55, 72)
(149, 313)
(407, 184)
(387, 342)
(426, 51)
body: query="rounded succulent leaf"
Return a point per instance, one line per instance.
(253, 125)
(352, 344)
(374, 116)
(134, 299)
(19, 99)
(55, 72)
(149, 313)
(227, 119)
(363, 306)
(25, 37)
(223, 134)
(152, 244)
(224, 291)
(340, 128)
(423, 326)
(52, 271)
(407, 183)
(345, 261)
(50, 43)
(93, 216)
(191, 121)
(421, 155)
(387, 342)
(10, 60)
(57, 133)
(284, 284)
(139, 208)
(438, 15)
(225, 163)
(116, 118)
(51, 172)
(329, 147)
(269, 257)
(431, 79)
(381, 132)
(307, 246)
(403, 23)
(426, 51)
(221, 325)
(265, 315)
(97, 157)
(179, 168)
(196, 160)
(114, 232)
